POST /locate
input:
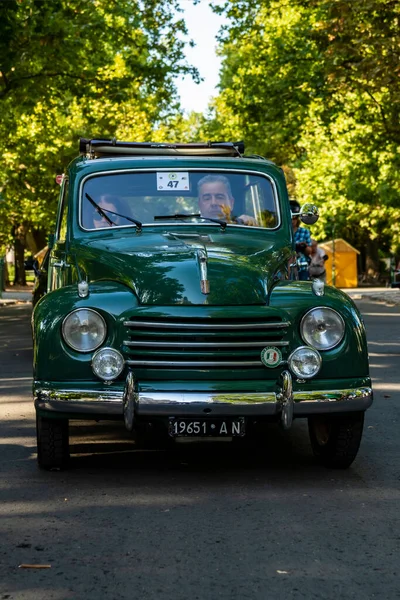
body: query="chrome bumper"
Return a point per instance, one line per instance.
(284, 403)
(201, 404)
(84, 402)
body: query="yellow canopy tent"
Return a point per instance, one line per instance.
(341, 265)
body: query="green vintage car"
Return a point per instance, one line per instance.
(169, 299)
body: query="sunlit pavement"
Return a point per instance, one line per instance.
(12, 297)
(386, 295)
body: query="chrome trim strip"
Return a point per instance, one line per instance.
(286, 399)
(204, 283)
(251, 398)
(81, 402)
(331, 396)
(189, 363)
(285, 404)
(177, 325)
(138, 169)
(176, 398)
(129, 401)
(79, 395)
(262, 344)
(332, 401)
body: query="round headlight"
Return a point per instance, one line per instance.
(322, 328)
(84, 330)
(304, 362)
(107, 363)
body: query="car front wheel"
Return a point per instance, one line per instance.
(335, 439)
(52, 442)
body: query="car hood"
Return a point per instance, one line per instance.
(226, 268)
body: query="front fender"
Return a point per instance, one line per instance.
(350, 357)
(52, 359)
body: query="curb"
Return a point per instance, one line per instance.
(10, 297)
(390, 298)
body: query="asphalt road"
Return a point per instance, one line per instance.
(124, 524)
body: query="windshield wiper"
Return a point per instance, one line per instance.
(189, 216)
(99, 210)
(103, 211)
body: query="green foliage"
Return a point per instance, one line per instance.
(314, 85)
(68, 69)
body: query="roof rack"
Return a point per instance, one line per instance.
(258, 156)
(97, 148)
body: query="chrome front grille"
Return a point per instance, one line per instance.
(172, 342)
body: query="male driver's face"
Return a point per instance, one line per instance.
(213, 197)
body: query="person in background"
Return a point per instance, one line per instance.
(302, 240)
(317, 264)
(216, 200)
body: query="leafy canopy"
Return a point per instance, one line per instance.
(68, 69)
(314, 85)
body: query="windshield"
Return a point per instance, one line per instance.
(153, 198)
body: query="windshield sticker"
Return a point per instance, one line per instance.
(172, 180)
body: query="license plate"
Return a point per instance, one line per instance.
(206, 427)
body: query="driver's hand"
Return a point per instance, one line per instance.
(246, 220)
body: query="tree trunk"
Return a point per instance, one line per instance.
(372, 258)
(35, 240)
(19, 247)
(6, 276)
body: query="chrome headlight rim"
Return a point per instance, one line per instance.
(316, 353)
(74, 347)
(104, 350)
(331, 346)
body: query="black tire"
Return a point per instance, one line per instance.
(52, 443)
(335, 439)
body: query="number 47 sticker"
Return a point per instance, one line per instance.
(172, 180)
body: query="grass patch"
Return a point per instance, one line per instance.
(30, 275)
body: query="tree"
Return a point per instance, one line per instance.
(68, 69)
(314, 85)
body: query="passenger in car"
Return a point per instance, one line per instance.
(109, 203)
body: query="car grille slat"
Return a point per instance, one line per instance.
(168, 344)
(197, 343)
(217, 326)
(187, 363)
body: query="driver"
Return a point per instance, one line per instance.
(216, 200)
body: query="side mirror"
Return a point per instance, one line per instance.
(309, 214)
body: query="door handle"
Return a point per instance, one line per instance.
(62, 264)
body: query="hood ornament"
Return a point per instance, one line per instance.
(204, 283)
